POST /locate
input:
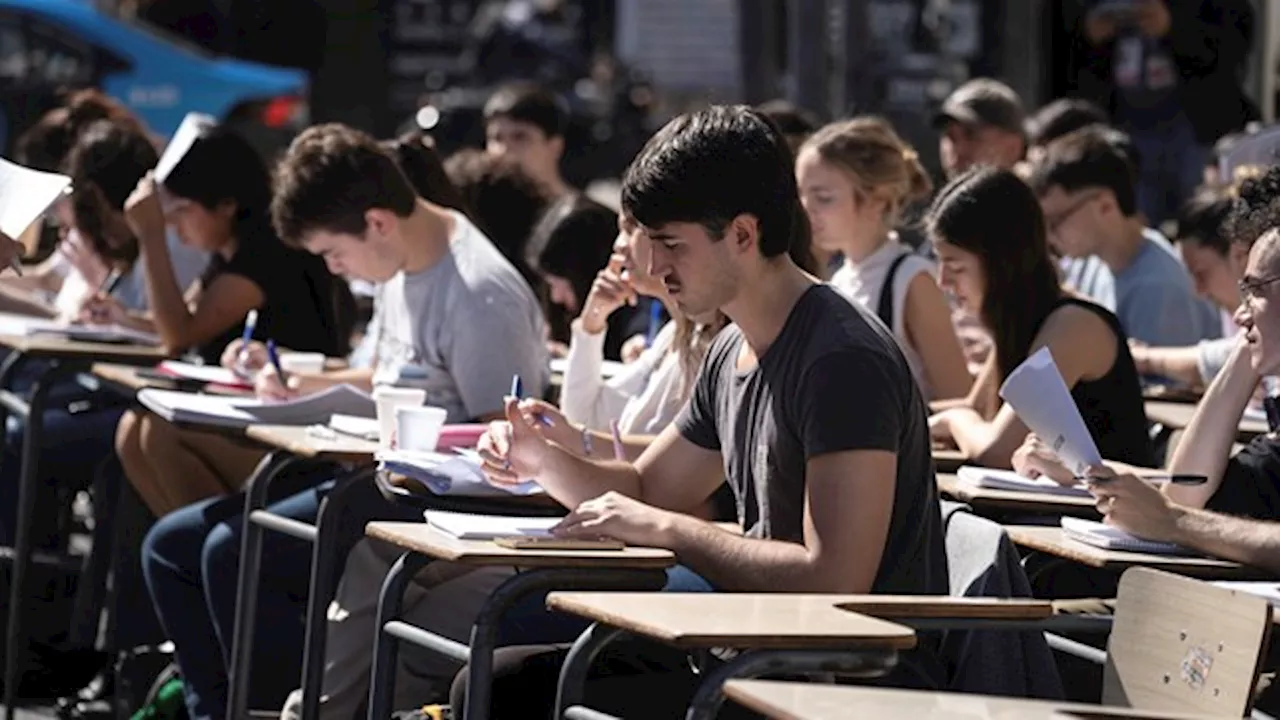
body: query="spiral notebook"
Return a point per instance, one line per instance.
(993, 479)
(1106, 537)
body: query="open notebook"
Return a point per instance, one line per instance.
(239, 412)
(1008, 480)
(1097, 534)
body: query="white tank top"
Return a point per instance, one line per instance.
(862, 282)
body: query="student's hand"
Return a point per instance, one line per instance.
(10, 250)
(1154, 19)
(143, 212)
(1137, 507)
(557, 349)
(243, 358)
(610, 291)
(614, 515)
(267, 386)
(86, 261)
(633, 348)
(514, 450)
(101, 310)
(1035, 459)
(940, 427)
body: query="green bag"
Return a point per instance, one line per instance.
(165, 701)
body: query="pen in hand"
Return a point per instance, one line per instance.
(250, 323)
(1173, 479)
(274, 357)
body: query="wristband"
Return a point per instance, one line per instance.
(587, 449)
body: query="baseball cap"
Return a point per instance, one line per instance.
(983, 101)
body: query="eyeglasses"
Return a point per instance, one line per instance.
(1057, 221)
(1252, 289)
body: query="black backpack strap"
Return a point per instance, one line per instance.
(885, 307)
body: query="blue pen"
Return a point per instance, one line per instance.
(517, 392)
(655, 323)
(250, 322)
(274, 357)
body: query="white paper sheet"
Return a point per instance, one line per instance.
(25, 325)
(1037, 393)
(466, 526)
(193, 126)
(202, 373)
(1270, 590)
(1091, 532)
(25, 195)
(223, 411)
(361, 427)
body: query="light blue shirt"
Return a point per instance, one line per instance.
(1090, 277)
(188, 265)
(1156, 301)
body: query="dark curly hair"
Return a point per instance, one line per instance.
(1256, 208)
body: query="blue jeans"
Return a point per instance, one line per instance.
(1173, 164)
(191, 563)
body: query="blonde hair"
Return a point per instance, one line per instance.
(880, 163)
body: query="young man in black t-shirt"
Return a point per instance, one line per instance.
(804, 405)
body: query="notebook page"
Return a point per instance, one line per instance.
(313, 409)
(457, 474)
(177, 406)
(193, 126)
(25, 195)
(1038, 394)
(1104, 536)
(466, 526)
(1009, 480)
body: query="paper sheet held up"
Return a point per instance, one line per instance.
(1037, 393)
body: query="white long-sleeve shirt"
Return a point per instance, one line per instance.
(644, 397)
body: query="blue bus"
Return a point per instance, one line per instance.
(48, 45)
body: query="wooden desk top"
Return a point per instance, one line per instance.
(813, 701)
(1177, 416)
(1051, 541)
(302, 443)
(1029, 503)
(736, 620)
(125, 376)
(426, 540)
(55, 347)
(948, 461)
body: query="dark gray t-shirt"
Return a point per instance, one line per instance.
(833, 380)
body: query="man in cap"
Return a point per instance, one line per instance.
(981, 124)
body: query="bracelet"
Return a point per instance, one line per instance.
(587, 450)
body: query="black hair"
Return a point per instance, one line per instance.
(105, 165)
(1092, 157)
(994, 215)
(1202, 219)
(505, 202)
(220, 167)
(574, 240)
(416, 155)
(529, 103)
(709, 167)
(1061, 117)
(47, 143)
(791, 119)
(1256, 208)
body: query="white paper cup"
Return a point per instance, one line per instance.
(304, 363)
(418, 428)
(387, 400)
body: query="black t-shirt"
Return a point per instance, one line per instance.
(303, 305)
(1251, 482)
(832, 381)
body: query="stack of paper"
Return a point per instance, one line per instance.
(360, 427)
(1110, 538)
(238, 412)
(457, 473)
(26, 326)
(209, 374)
(467, 526)
(1008, 480)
